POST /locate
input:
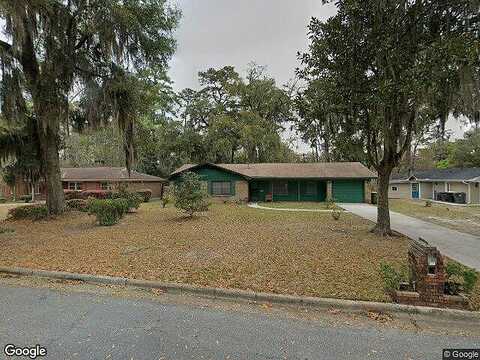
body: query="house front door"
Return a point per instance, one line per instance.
(258, 191)
(415, 191)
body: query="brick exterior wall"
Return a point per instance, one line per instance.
(329, 190)
(155, 187)
(367, 184)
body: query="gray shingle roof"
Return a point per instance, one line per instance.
(105, 174)
(346, 170)
(460, 174)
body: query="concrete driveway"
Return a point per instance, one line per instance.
(462, 247)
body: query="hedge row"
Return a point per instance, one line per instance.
(146, 194)
(28, 212)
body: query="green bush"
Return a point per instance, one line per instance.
(4, 230)
(190, 197)
(392, 277)
(330, 203)
(336, 214)
(3, 200)
(77, 204)
(167, 197)
(28, 212)
(428, 203)
(460, 278)
(146, 194)
(134, 199)
(108, 211)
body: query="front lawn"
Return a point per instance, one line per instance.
(231, 247)
(462, 218)
(297, 205)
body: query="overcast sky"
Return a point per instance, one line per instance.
(216, 33)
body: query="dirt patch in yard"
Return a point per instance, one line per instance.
(231, 247)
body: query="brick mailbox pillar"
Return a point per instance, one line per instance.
(427, 271)
(427, 280)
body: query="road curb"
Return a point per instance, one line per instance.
(236, 294)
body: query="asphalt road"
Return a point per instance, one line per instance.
(76, 325)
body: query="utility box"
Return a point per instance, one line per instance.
(460, 198)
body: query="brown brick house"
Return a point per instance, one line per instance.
(96, 178)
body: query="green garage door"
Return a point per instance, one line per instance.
(348, 191)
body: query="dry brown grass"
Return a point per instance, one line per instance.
(234, 247)
(231, 247)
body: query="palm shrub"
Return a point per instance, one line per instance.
(168, 197)
(189, 194)
(108, 212)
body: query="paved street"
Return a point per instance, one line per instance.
(462, 247)
(75, 325)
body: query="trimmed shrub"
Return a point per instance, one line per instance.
(146, 194)
(3, 200)
(72, 194)
(77, 204)
(134, 199)
(96, 194)
(108, 211)
(28, 212)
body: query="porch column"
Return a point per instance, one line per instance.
(329, 190)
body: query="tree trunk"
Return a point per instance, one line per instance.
(383, 216)
(32, 185)
(15, 192)
(49, 145)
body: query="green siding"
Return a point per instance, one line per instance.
(348, 191)
(292, 193)
(319, 190)
(210, 175)
(258, 190)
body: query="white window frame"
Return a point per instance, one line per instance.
(77, 186)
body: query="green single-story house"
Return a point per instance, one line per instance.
(346, 182)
